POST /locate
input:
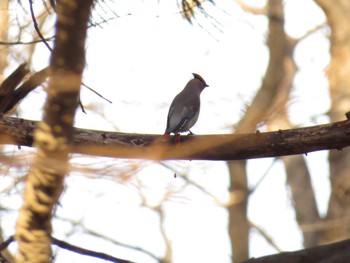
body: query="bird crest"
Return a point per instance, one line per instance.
(197, 76)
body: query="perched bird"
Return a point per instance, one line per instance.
(184, 110)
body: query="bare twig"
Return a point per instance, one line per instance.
(106, 238)
(250, 9)
(4, 43)
(43, 39)
(76, 249)
(94, 91)
(87, 252)
(267, 237)
(263, 176)
(37, 27)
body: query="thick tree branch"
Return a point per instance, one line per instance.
(200, 147)
(336, 253)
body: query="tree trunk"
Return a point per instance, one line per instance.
(54, 134)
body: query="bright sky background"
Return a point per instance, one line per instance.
(140, 62)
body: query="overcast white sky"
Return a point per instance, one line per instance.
(140, 62)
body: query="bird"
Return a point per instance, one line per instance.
(184, 110)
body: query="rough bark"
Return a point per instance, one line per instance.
(200, 147)
(53, 135)
(338, 73)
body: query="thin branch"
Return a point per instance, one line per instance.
(37, 27)
(6, 243)
(48, 46)
(267, 172)
(94, 233)
(4, 43)
(87, 252)
(311, 31)
(106, 238)
(250, 9)
(267, 237)
(294, 41)
(94, 91)
(75, 249)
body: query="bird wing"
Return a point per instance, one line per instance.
(178, 118)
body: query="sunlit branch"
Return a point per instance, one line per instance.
(5, 43)
(200, 147)
(266, 236)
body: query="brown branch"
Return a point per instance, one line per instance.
(266, 236)
(336, 252)
(6, 43)
(53, 135)
(199, 147)
(250, 9)
(19, 93)
(8, 86)
(136, 248)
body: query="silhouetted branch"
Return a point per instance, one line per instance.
(6, 243)
(87, 252)
(336, 252)
(75, 249)
(37, 27)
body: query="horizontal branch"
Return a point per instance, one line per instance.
(199, 147)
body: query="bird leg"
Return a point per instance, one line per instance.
(177, 138)
(191, 133)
